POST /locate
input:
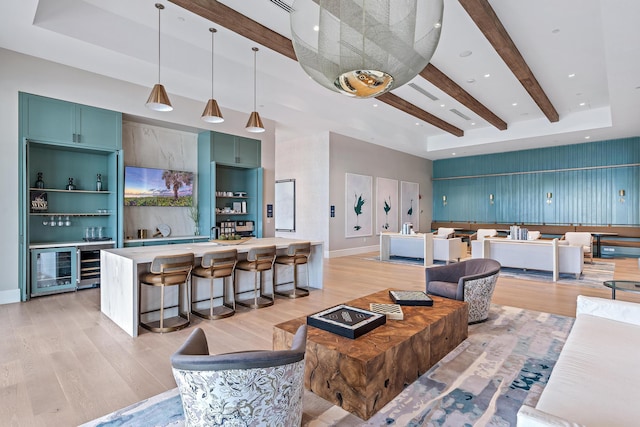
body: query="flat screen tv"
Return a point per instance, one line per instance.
(157, 187)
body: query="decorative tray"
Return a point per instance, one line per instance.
(347, 321)
(231, 242)
(410, 298)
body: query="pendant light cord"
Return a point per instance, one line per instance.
(213, 32)
(255, 53)
(160, 7)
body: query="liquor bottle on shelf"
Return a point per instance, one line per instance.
(71, 186)
(99, 183)
(39, 181)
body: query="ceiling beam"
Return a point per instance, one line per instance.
(488, 22)
(399, 103)
(229, 18)
(448, 86)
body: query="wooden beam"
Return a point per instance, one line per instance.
(488, 22)
(227, 17)
(448, 86)
(399, 103)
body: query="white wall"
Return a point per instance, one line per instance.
(348, 155)
(22, 73)
(306, 159)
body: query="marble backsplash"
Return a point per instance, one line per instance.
(152, 146)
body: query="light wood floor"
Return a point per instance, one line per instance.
(63, 363)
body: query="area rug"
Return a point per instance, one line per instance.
(504, 363)
(592, 274)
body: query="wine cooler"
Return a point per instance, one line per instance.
(89, 265)
(64, 269)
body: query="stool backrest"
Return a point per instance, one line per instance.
(223, 262)
(300, 250)
(263, 257)
(171, 264)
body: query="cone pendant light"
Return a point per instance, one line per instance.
(254, 124)
(211, 113)
(158, 100)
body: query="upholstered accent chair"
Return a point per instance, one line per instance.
(252, 388)
(472, 281)
(581, 238)
(445, 233)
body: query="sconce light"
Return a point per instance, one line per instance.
(444, 200)
(549, 197)
(491, 198)
(621, 193)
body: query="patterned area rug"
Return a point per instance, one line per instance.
(504, 363)
(592, 275)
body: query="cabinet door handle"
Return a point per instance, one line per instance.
(78, 264)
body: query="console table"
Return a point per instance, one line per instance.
(407, 245)
(545, 255)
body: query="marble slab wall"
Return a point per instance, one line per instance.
(161, 148)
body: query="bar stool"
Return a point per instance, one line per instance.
(259, 260)
(297, 254)
(171, 270)
(216, 265)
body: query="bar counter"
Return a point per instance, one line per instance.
(120, 268)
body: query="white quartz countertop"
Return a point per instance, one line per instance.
(142, 254)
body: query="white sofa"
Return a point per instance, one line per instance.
(531, 254)
(594, 381)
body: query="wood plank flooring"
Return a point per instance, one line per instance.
(62, 362)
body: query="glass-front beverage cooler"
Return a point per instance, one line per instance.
(53, 270)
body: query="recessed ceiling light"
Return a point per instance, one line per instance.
(473, 123)
(582, 104)
(442, 105)
(572, 75)
(437, 25)
(453, 154)
(471, 80)
(465, 53)
(486, 76)
(316, 28)
(514, 104)
(587, 137)
(375, 105)
(417, 123)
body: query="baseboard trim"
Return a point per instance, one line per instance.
(352, 251)
(10, 296)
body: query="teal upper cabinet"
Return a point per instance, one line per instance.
(231, 150)
(65, 123)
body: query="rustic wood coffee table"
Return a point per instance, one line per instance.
(362, 375)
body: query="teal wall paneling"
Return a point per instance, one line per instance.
(584, 180)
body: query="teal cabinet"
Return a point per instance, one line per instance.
(59, 122)
(53, 270)
(63, 140)
(231, 150)
(220, 174)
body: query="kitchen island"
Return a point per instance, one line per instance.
(121, 299)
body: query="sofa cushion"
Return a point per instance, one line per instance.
(588, 384)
